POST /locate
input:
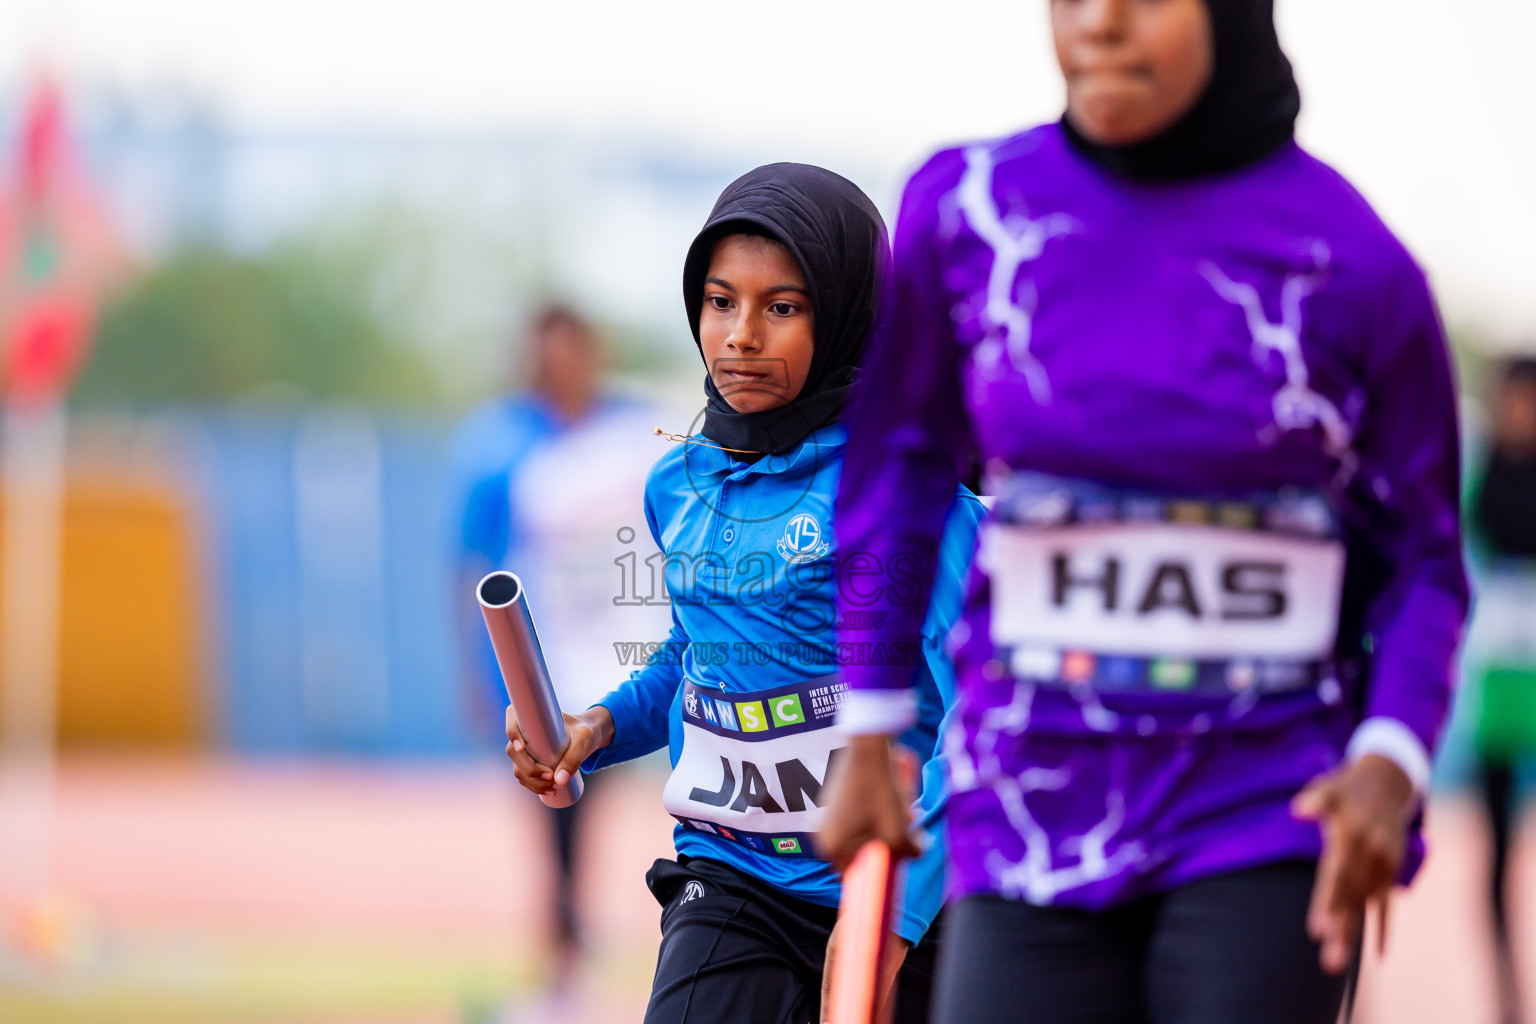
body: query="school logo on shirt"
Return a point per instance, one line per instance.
(803, 540)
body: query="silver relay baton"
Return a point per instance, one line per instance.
(504, 604)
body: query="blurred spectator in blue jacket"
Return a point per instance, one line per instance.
(550, 482)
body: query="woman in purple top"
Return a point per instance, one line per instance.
(1208, 644)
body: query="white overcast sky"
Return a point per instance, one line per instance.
(1428, 106)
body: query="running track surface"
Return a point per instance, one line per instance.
(210, 890)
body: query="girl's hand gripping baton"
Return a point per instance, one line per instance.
(863, 929)
(504, 604)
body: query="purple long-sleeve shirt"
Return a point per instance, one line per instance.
(1218, 348)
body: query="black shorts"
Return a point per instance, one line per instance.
(735, 950)
(1227, 949)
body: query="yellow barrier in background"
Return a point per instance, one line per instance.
(130, 666)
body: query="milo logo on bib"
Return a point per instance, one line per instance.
(753, 764)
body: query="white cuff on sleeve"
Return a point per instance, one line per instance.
(1397, 743)
(877, 712)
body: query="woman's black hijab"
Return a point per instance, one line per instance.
(836, 235)
(1247, 111)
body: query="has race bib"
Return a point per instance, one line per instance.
(753, 764)
(1127, 591)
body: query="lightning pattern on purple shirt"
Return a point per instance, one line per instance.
(1257, 332)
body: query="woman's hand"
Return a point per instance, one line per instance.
(1364, 810)
(588, 732)
(891, 957)
(865, 800)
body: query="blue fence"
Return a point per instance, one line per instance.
(333, 605)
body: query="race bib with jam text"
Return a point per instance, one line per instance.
(753, 764)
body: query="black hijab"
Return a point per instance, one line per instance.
(836, 235)
(1247, 111)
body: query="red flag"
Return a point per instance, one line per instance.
(54, 249)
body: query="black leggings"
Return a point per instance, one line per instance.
(566, 823)
(1496, 780)
(1222, 950)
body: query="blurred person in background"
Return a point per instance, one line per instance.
(1210, 647)
(1502, 643)
(547, 480)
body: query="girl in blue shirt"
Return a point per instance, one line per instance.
(782, 290)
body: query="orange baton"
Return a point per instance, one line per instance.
(864, 926)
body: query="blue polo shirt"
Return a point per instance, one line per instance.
(752, 575)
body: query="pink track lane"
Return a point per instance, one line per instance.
(418, 849)
(450, 854)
